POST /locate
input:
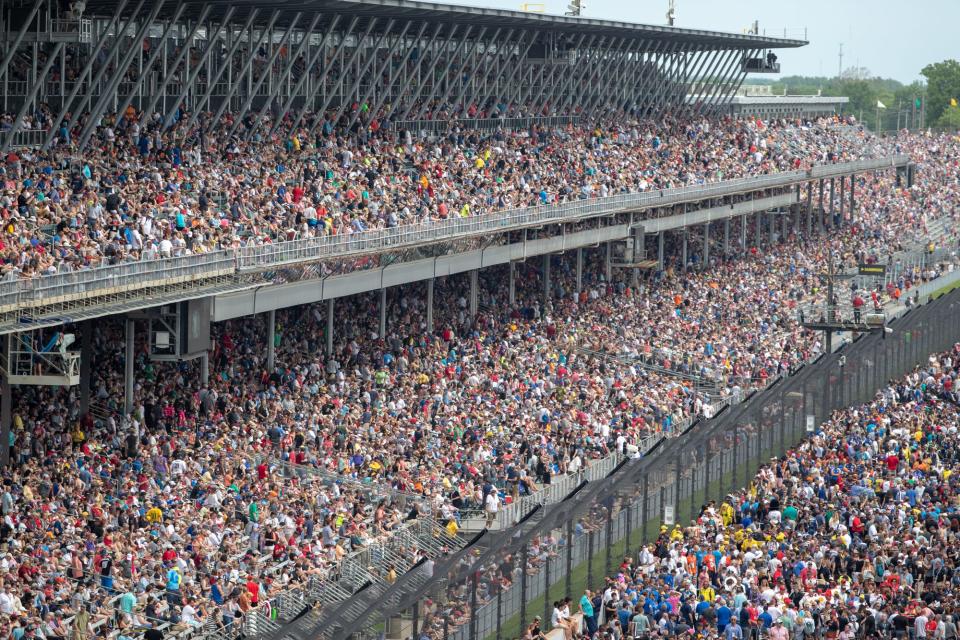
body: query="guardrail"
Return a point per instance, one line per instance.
(23, 296)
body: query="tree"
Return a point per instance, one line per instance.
(943, 83)
(950, 118)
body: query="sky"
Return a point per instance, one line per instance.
(891, 38)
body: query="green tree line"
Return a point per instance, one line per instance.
(935, 100)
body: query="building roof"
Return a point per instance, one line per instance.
(463, 16)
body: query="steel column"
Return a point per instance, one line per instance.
(117, 76)
(512, 291)
(6, 413)
(546, 277)
(383, 314)
(271, 341)
(579, 271)
(235, 85)
(191, 75)
(268, 70)
(128, 366)
(284, 75)
(395, 74)
(474, 291)
(380, 68)
(430, 284)
(215, 78)
(330, 327)
(29, 98)
(726, 236)
(660, 239)
(138, 86)
(425, 102)
(706, 245)
(433, 64)
(319, 115)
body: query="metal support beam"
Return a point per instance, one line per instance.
(88, 69)
(430, 284)
(833, 193)
(86, 364)
(428, 74)
(31, 96)
(843, 185)
(6, 414)
(474, 291)
(706, 245)
(383, 314)
(382, 66)
(608, 263)
(235, 85)
(726, 236)
(212, 82)
(809, 210)
(205, 368)
(743, 232)
(684, 250)
(330, 327)
(128, 366)
(820, 213)
(579, 271)
(271, 341)
(546, 278)
(311, 63)
(660, 239)
(212, 40)
(268, 70)
(512, 291)
(117, 76)
(758, 229)
(853, 182)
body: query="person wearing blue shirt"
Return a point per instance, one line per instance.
(724, 614)
(766, 619)
(586, 607)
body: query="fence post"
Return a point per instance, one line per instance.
(590, 559)
(626, 540)
(499, 612)
(546, 589)
(569, 573)
(609, 540)
(523, 586)
(473, 606)
(416, 619)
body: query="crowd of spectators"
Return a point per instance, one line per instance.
(142, 192)
(853, 533)
(185, 513)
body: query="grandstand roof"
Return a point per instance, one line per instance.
(477, 16)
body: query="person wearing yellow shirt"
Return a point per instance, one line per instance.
(726, 514)
(154, 515)
(707, 594)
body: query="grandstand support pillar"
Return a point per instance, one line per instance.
(833, 191)
(758, 229)
(579, 271)
(608, 263)
(684, 250)
(131, 329)
(772, 218)
(639, 252)
(853, 181)
(706, 245)
(820, 209)
(330, 327)
(6, 415)
(546, 277)
(743, 233)
(726, 236)
(474, 285)
(383, 313)
(205, 368)
(430, 284)
(271, 341)
(660, 238)
(513, 284)
(86, 364)
(809, 209)
(843, 188)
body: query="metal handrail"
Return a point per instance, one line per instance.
(25, 293)
(483, 124)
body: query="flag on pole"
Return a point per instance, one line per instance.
(880, 105)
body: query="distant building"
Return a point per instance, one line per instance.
(759, 100)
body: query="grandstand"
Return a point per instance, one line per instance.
(300, 302)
